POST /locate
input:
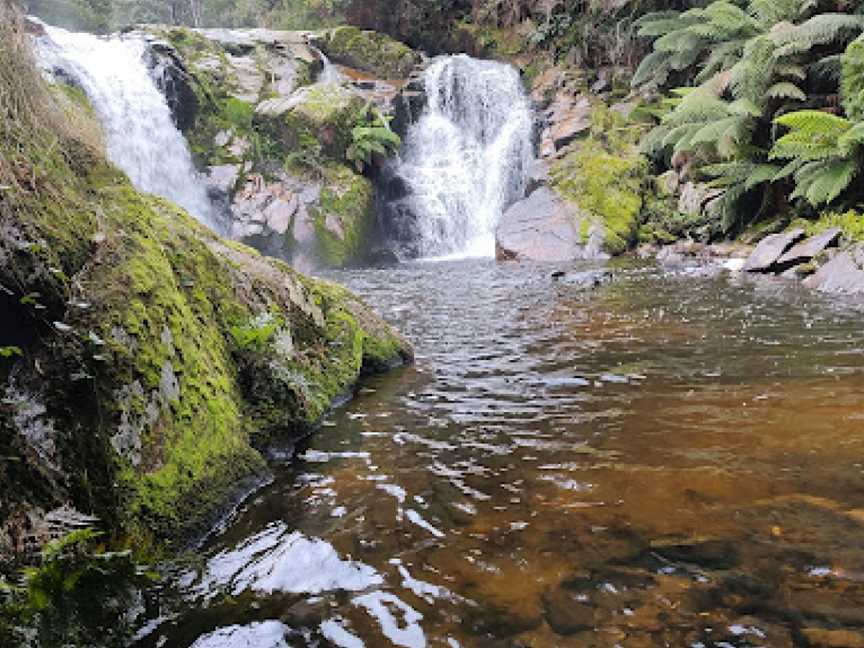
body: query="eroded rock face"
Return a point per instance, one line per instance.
(273, 137)
(543, 227)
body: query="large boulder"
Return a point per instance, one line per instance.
(323, 113)
(369, 51)
(544, 227)
(843, 274)
(154, 358)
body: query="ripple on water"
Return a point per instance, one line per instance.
(642, 464)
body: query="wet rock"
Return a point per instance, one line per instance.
(695, 196)
(569, 120)
(769, 251)
(842, 274)
(568, 613)
(223, 178)
(543, 227)
(538, 176)
(810, 248)
(586, 279)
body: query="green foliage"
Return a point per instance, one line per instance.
(604, 175)
(754, 62)
(79, 595)
(10, 351)
(257, 333)
(826, 152)
(851, 222)
(371, 136)
(853, 80)
(83, 15)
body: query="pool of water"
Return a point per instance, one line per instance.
(675, 458)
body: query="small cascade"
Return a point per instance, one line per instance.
(140, 135)
(467, 158)
(329, 72)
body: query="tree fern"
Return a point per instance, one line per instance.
(853, 80)
(826, 152)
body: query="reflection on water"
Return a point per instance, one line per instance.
(668, 460)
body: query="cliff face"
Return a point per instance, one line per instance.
(144, 361)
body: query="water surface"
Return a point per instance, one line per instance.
(675, 458)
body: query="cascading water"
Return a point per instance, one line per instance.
(140, 135)
(467, 158)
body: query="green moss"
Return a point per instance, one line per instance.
(322, 113)
(369, 51)
(344, 218)
(850, 222)
(606, 186)
(494, 41)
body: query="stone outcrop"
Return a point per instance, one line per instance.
(369, 51)
(272, 135)
(543, 227)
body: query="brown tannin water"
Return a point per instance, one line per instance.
(675, 458)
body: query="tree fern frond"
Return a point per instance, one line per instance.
(823, 182)
(821, 29)
(786, 90)
(650, 68)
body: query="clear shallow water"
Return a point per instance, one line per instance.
(673, 459)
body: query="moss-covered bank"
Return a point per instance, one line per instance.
(145, 359)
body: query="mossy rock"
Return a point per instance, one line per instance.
(606, 186)
(345, 217)
(369, 51)
(153, 404)
(323, 113)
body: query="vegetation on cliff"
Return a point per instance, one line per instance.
(145, 359)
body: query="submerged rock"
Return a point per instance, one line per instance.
(543, 227)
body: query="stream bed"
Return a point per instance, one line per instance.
(675, 458)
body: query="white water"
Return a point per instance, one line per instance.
(140, 135)
(466, 159)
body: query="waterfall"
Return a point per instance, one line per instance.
(140, 135)
(466, 159)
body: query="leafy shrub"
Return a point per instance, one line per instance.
(370, 137)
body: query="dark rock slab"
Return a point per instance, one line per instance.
(543, 227)
(843, 274)
(769, 251)
(806, 250)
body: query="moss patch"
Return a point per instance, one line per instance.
(344, 219)
(605, 175)
(369, 51)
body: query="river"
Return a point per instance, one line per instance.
(674, 458)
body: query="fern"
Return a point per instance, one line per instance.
(853, 80)
(826, 152)
(370, 138)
